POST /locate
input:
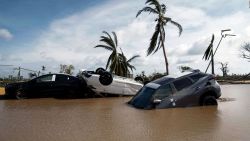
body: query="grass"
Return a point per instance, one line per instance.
(2, 91)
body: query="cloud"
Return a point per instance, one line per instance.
(199, 47)
(5, 34)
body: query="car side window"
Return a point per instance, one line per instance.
(163, 92)
(46, 78)
(62, 78)
(196, 77)
(182, 83)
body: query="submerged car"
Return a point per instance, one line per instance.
(103, 82)
(50, 85)
(191, 89)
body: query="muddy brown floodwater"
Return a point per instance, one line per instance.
(112, 120)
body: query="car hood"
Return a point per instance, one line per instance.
(14, 85)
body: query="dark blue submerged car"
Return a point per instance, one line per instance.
(190, 89)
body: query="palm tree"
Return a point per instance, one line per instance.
(117, 62)
(69, 69)
(158, 38)
(209, 53)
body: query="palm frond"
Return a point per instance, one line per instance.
(209, 51)
(110, 38)
(154, 39)
(161, 39)
(104, 46)
(178, 25)
(108, 41)
(105, 32)
(146, 9)
(111, 57)
(132, 58)
(115, 37)
(154, 3)
(163, 8)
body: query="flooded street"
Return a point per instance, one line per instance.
(111, 119)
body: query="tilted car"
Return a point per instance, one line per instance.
(47, 86)
(103, 82)
(191, 89)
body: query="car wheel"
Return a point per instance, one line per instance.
(209, 100)
(106, 78)
(100, 71)
(139, 79)
(20, 94)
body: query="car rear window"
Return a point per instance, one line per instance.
(182, 83)
(196, 77)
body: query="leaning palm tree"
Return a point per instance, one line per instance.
(111, 45)
(117, 62)
(158, 38)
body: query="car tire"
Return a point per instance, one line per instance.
(106, 78)
(20, 94)
(139, 79)
(100, 71)
(209, 100)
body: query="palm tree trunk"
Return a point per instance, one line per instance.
(166, 59)
(164, 53)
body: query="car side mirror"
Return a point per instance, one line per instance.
(156, 101)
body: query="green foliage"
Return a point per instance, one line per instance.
(67, 69)
(117, 62)
(150, 77)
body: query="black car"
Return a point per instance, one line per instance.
(50, 85)
(191, 89)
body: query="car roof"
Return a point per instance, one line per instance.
(55, 74)
(169, 78)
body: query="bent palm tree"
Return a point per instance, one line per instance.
(158, 38)
(117, 62)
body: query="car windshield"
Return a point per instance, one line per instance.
(143, 97)
(163, 92)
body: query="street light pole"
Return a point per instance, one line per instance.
(212, 56)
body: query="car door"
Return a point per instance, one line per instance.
(62, 84)
(183, 95)
(43, 86)
(165, 95)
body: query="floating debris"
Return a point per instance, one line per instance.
(226, 99)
